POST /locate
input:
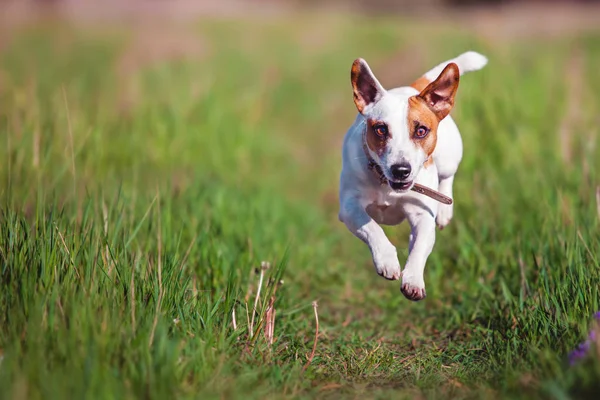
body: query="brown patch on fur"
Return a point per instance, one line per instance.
(375, 142)
(366, 88)
(420, 83)
(419, 114)
(429, 161)
(439, 94)
(431, 106)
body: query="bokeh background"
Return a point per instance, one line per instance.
(168, 197)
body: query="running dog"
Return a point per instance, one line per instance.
(401, 137)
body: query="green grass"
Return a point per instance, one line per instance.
(131, 230)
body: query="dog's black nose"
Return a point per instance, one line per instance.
(400, 171)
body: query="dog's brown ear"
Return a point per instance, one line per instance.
(439, 94)
(367, 89)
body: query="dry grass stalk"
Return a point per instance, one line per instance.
(233, 319)
(247, 315)
(36, 147)
(247, 298)
(270, 321)
(270, 315)
(524, 289)
(160, 287)
(312, 353)
(62, 239)
(132, 292)
(263, 267)
(106, 257)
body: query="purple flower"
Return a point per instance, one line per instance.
(580, 352)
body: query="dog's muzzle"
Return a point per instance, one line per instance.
(400, 185)
(401, 172)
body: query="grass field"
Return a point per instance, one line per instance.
(140, 194)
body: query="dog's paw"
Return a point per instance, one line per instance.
(413, 289)
(387, 265)
(444, 215)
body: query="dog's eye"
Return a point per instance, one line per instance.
(381, 130)
(421, 131)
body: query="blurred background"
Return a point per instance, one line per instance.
(552, 15)
(153, 154)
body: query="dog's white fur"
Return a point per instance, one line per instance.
(365, 203)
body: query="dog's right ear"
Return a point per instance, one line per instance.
(367, 89)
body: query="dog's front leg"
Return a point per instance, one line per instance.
(445, 211)
(356, 219)
(422, 239)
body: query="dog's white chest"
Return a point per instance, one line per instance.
(386, 213)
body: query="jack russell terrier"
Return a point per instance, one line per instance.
(401, 138)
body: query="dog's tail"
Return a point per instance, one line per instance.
(466, 62)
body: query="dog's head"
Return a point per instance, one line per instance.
(401, 131)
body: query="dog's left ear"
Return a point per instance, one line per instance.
(367, 89)
(439, 94)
